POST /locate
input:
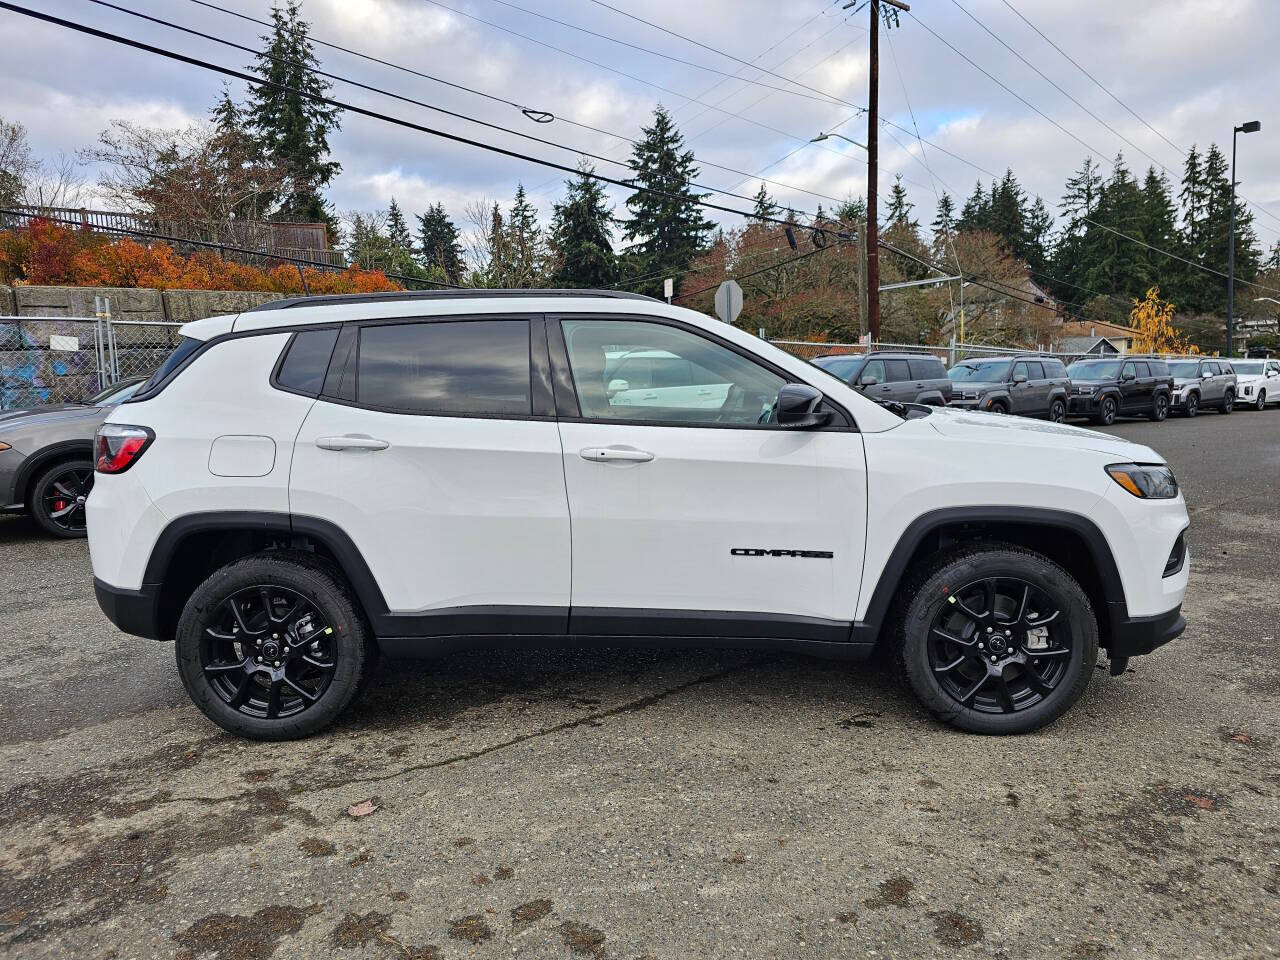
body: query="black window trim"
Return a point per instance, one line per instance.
(571, 410)
(284, 353)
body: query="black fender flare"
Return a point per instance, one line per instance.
(36, 463)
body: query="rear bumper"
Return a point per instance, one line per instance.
(133, 611)
(1137, 636)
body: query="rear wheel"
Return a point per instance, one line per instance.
(1228, 402)
(1192, 406)
(1106, 414)
(58, 497)
(273, 647)
(1160, 407)
(997, 639)
(1058, 411)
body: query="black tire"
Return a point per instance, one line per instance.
(1228, 402)
(1261, 402)
(1058, 411)
(56, 501)
(209, 656)
(999, 407)
(1159, 407)
(1192, 405)
(938, 590)
(1106, 414)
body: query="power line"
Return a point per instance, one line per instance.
(366, 112)
(154, 235)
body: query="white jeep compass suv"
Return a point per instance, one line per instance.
(308, 483)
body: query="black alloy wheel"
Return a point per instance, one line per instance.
(1160, 407)
(1228, 402)
(1192, 406)
(268, 653)
(274, 646)
(1058, 411)
(58, 498)
(1261, 401)
(999, 645)
(1107, 412)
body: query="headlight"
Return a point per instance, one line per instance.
(1145, 481)
(3, 446)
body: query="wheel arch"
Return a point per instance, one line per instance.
(1073, 541)
(44, 458)
(193, 546)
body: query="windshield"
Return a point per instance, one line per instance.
(980, 371)
(1186, 369)
(1252, 368)
(1094, 370)
(186, 346)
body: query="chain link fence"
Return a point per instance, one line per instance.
(950, 354)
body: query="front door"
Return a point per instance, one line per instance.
(427, 451)
(692, 521)
(1130, 387)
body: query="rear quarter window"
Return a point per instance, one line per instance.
(305, 361)
(1054, 369)
(897, 370)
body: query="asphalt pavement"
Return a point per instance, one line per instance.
(672, 805)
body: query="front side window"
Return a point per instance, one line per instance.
(641, 371)
(1035, 370)
(1273, 368)
(1021, 370)
(448, 367)
(1142, 370)
(874, 370)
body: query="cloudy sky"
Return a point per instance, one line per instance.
(1190, 69)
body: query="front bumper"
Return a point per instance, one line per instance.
(1138, 636)
(1083, 405)
(133, 611)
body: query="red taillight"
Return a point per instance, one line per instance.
(117, 446)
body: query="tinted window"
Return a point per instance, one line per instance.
(1054, 368)
(1141, 369)
(1158, 368)
(874, 368)
(898, 370)
(692, 380)
(1035, 370)
(1128, 370)
(927, 368)
(450, 367)
(307, 360)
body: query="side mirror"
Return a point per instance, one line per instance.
(617, 386)
(1125, 377)
(1019, 378)
(797, 407)
(1206, 376)
(869, 381)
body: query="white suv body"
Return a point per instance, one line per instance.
(1257, 381)
(469, 468)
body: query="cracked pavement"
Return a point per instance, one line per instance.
(624, 804)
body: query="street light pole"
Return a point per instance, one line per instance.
(1253, 126)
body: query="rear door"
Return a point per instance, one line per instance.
(686, 519)
(901, 384)
(434, 448)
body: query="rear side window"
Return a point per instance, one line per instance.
(463, 367)
(927, 368)
(897, 370)
(1054, 368)
(306, 359)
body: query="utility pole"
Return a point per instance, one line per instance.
(1253, 126)
(873, 139)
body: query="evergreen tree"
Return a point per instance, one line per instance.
(439, 244)
(397, 229)
(851, 212)
(944, 223)
(899, 212)
(976, 213)
(667, 228)
(765, 208)
(292, 129)
(1160, 229)
(582, 234)
(1107, 261)
(525, 243)
(226, 115)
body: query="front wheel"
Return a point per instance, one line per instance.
(999, 407)
(1160, 407)
(1057, 411)
(58, 497)
(997, 639)
(273, 646)
(1228, 402)
(1261, 402)
(1192, 405)
(1106, 414)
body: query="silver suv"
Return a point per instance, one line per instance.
(901, 377)
(1200, 382)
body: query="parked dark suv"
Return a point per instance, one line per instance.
(1104, 389)
(904, 377)
(1026, 385)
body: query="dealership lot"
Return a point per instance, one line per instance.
(670, 805)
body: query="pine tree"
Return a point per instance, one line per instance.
(582, 235)
(976, 212)
(292, 128)
(401, 243)
(1159, 228)
(850, 212)
(944, 223)
(765, 208)
(525, 243)
(439, 244)
(667, 228)
(226, 115)
(899, 211)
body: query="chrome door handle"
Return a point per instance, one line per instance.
(351, 443)
(606, 454)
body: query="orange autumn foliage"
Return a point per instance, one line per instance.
(45, 253)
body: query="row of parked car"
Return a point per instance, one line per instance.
(1033, 385)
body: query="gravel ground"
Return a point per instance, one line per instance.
(664, 805)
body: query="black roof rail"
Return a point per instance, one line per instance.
(329, 300)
